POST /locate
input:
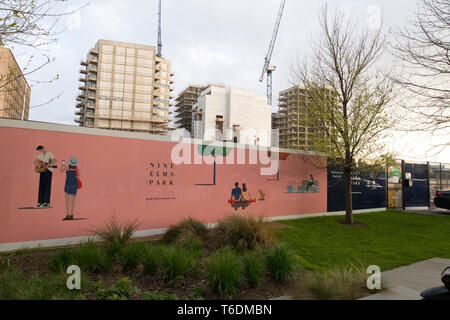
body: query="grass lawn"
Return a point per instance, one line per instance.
(391, 239)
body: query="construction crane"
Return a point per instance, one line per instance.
(159, 53)
(268, 68)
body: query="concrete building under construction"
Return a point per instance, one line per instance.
(183, 107)
(125, 86)
(232, 115)
(292, 109)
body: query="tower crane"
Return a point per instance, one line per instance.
(268, 68)
(159, 53)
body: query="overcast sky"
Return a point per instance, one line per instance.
(207, 41)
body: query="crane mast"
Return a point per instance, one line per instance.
(159, 53)
(267, 67)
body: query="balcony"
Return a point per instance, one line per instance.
(80, 105)
(83, 63)
(93, 51)
(90, 114)
(92, 59)
(92, 68)
(79, 120)
(79, 112)
(84, 71)
(82, 79)
(82, 87)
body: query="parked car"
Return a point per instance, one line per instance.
(442, 199)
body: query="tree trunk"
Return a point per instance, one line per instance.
(348, 196)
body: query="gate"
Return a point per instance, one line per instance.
(416, 186)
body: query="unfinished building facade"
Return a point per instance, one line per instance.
(293, 133)
(183, 107)
(125, 86)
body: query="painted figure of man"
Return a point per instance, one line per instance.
(236, 193)
(310, 182)
(46, 160)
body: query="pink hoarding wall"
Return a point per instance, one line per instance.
(133, 177)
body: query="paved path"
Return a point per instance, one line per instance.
(406, 283)
(433, 211)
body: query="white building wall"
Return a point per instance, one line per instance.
(239, 108)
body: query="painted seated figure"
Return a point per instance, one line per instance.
(245, 194)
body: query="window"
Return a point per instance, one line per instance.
(120, 51)
(144, 71)
(117, 105)
(108, 58)
(145, 53)
(106, 67)
(107, 49)
(144, 63)
(119, 68)
(129, 70)
(120, 60)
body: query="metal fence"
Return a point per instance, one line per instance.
(439, 176)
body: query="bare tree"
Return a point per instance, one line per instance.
(347, 98)
(32, 25)
(424, 51)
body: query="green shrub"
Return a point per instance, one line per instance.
(4, 263)
(121, 290)
(16, 286)
(280, 262)
(59, 262)
(344, 283)
(196, 293)
(159, 296)
(132, 255)
(176, 263)
(242, 233)
(152, 259)
(188, 232)
(254, 268)
(88, 256)
(115, 232)
(114, 250)
(224, 272)
(91, 258)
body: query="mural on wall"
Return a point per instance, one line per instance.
(134, 178)
(214, 151)
(44, 164)
(241, 197)
(160, 177)
(307, 186)
(71, 186)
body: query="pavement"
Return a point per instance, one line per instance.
(432, 210)
(406, 283)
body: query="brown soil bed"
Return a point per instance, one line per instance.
(354, 224)
(37, 262)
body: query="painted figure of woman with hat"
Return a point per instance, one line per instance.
(71, 186)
